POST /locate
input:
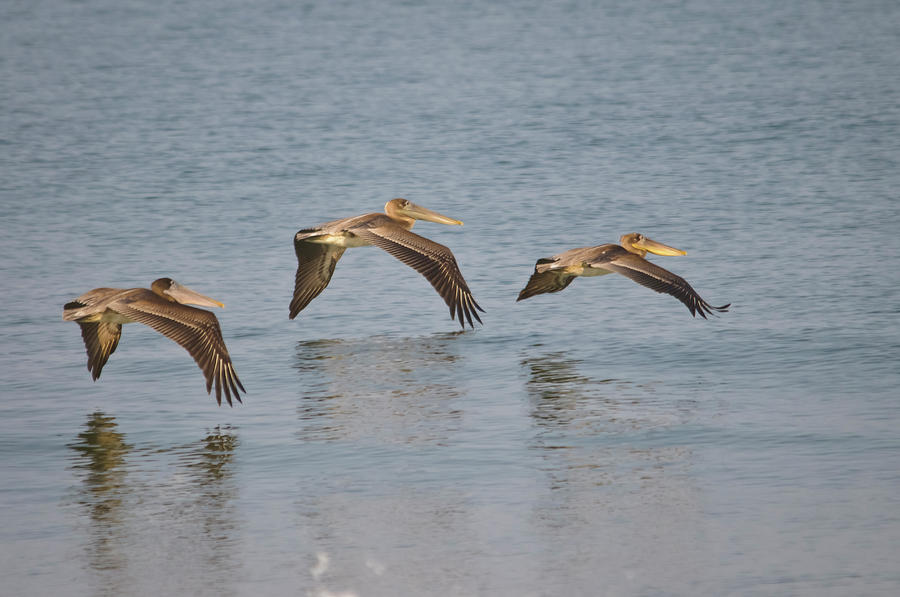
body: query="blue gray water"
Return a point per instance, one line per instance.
(599, 441)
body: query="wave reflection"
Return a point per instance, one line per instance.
(560, 395)
(606, 476)
(101, 455)
(156, 508)
(380, 388)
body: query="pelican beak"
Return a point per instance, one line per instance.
(186, 296)
(658, 248)
(417, 212)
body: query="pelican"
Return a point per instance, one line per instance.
(102, 311)
(319, 249)
(552, 274)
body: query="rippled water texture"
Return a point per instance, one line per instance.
(598, 441)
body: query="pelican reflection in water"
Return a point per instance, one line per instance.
(382, 389)
(136, 498)
(319, 249)
(102, 311)
(552, 274)
(100, 459)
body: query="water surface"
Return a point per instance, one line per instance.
(598, 441)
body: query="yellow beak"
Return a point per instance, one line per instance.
(186, 296)
(417, 212)
(658, 248)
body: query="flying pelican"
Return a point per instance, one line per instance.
(319, 248)
(102, 311)
(552, 274)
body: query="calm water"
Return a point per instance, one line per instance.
(595, 442)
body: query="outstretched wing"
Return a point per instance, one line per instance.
(315, 266)
(545, 280)
(432, 260)
(197, 330)
(100, 339)
(656, 278)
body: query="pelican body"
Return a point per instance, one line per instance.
(319, 249)
(555, 273)
(101, 312)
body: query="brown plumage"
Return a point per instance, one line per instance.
(553, 274)
(101, 312)
(319, 248)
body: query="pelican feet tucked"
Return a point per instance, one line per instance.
(102, 311)
(319, 249)
(553, 274)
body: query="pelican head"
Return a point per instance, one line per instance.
(409, 212)
(172, 291)
(640, 245)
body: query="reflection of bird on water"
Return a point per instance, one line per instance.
(319, 249)
(102, 454)
(552, 274)
(102, 450)
(102, 311)
(557, 387)
(381, 387)
(215, 454)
